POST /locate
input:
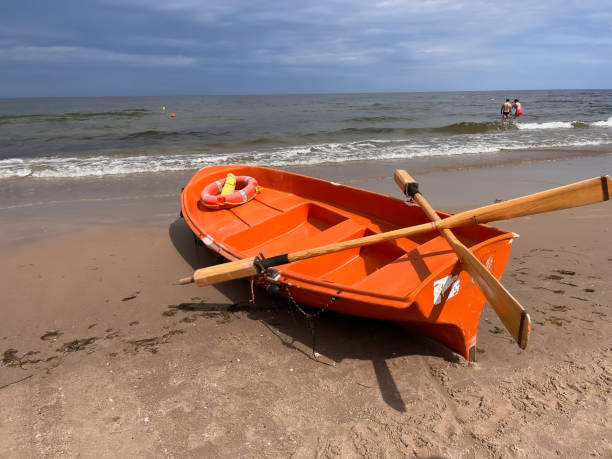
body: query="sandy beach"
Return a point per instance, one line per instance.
(105, 355)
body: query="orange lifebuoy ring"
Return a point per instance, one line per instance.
(246, 189)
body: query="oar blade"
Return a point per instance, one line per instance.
(508, 309)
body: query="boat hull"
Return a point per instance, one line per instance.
(416, 281)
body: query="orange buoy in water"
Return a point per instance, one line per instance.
(591, 102)
(173, 115)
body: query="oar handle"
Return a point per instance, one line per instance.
(410, 187)
(404, 180)
(226, 272)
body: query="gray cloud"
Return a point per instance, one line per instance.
(238, 46)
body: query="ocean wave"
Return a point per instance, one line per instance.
(127, 113)
(606, 123)
(460, 128)
(547, 125)
(563, 124)
(98, 166)
(73, 116)
(153, 134)
(377, 119)
(467, 127)
(321, 153)
(367, 131)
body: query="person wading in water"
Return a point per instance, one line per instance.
(506, 109)
(518, 109)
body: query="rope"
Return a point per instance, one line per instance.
(252, 300)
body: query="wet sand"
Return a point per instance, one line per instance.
(104, 355)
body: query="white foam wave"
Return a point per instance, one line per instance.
(374, 149)
(561, 124)
(57, 167)
(549, 125)
(607, 123)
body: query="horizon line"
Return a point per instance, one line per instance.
(303, 93)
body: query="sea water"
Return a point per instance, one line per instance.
(87, 137)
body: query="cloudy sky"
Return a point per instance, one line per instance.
(155, 47)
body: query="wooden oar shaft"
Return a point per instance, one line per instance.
(544, 201)
(577, 194)
(511, 313)
(564, 197)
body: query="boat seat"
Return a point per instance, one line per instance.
(404, 274)
(346, 265)
(294, 241)
(279, 200)
(224, 222)
(254, 212)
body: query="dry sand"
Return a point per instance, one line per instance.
(105, 356)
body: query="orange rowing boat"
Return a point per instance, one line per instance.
(414, 280)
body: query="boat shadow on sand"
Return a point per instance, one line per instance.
(333, 336)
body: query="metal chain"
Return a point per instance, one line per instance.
(311, 318)
(306, 314)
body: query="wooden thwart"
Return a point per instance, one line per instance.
(565, 197)
(511, 313)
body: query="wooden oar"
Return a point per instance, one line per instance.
(511, 313)
(565, 197)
